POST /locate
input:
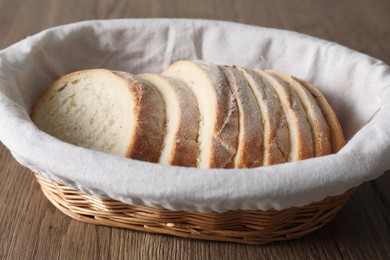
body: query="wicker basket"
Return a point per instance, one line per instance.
(254, 227)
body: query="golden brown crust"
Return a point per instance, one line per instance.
(186, 148)
(149, 111)
(225, 139)
(336, 132)
(276, 131)
(300, 130)
(250, 151)
(225, 129)
(319, 126)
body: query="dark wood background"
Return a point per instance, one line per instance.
(31, 228)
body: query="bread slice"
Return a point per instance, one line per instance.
(301, 139)
(276, 131)
(218, 132)
(182, 125)
(250, 149)
(106, 111)
(320, 129)
(336, 132)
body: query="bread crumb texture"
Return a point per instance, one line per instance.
(89, 109)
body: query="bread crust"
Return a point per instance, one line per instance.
(300, 130)
(185, 148)
(250, 151)
(336, 132)
(149, 111)
(276, 131)
(319, 126)
(224, 138)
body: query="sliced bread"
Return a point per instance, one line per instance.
(182, 125)
(218, 131)
(250, 149)
(320, 129)
(106, 111)
(276, 131)
(336, 132)
(301, 139)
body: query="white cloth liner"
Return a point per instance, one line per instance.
(357, 86)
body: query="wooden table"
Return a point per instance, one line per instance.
(31, 228)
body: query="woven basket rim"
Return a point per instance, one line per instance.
(253, 227)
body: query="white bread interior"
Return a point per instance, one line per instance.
(182, 125)
(218, 130)
(92, 108)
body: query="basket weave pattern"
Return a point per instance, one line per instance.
(242, 226)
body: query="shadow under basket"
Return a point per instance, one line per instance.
(254, 227)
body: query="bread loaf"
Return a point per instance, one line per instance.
(194, 114)
(107, 111)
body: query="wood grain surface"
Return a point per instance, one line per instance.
(31, 228)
